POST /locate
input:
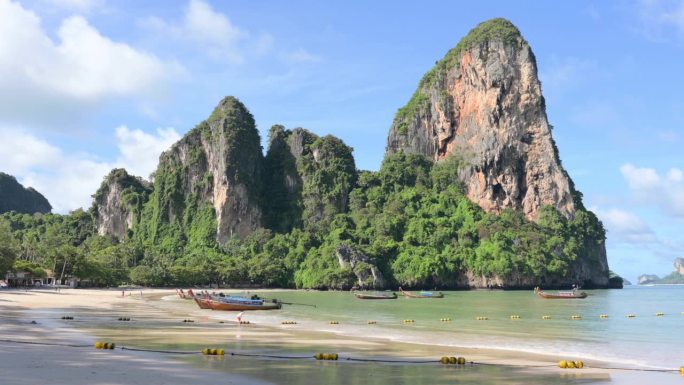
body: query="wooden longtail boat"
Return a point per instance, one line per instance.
(561, 294)
(376, 295)
(236, 304)
(182, 294)
(422, 294)
(202, 303)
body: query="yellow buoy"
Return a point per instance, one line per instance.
(334, 356)
(220, 352)
(98, 345)
(461, 360)
(562, 364)
(453, 360)
(570, 364)
(579, 364)
(444, 360)
(546, 317)
(660, 314)
(318, 356)
(681, 370)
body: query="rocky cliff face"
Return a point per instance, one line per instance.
(118, 203)
(213, 172)
(15, 197)
(483, 104)
(308, 178)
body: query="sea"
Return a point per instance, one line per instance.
(641, 326)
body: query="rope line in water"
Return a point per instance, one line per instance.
(354, 359)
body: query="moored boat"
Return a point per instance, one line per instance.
(241, 304)
(202, 303)
(378, 295)
(421, 294)
(574, 294)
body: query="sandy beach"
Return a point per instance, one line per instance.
(157, 324)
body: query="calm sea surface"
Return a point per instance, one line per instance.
(645, 340)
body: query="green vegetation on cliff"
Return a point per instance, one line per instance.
(411, 221)
(14, 197)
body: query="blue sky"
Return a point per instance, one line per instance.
(88, 85)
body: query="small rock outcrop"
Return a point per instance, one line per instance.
(118, 203)
(367, 273)
(483, 104)
(15, 197)
(648, 279)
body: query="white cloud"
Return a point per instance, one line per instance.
(139, 151)
(302, 56)
(76, 5)
(211, 31)
(626, 227)
(656, 18)
(68, 180)
(649, 187)
(81, 68)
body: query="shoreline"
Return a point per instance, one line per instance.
(162, 322)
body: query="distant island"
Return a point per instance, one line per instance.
(676, 277)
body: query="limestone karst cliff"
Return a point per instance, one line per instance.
(15, 197)
(307, 177)
(483, 103)
(212, 174)
(118, 203)
(471, 193)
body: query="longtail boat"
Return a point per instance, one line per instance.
(202, 303)
(239, 303)
(421, 294)
(376, 295)
(183, 295)
(561, 294)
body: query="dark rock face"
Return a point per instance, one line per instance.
(367, 273)
(483, 104)
(15, 197)
(118, 203)
(308, 178)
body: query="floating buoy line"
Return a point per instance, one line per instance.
(445, 360)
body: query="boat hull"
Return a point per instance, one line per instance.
(569, 295)
(218, 305)
(412, 295)
(375, 296)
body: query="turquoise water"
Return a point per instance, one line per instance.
(646, 341)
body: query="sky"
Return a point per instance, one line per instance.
(89, 85)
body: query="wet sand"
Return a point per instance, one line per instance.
(157, 323)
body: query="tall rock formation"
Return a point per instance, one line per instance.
(209, 178)
(308, 178)
(482, 106)
(15, 197)
(118, 203)
(482, 102)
